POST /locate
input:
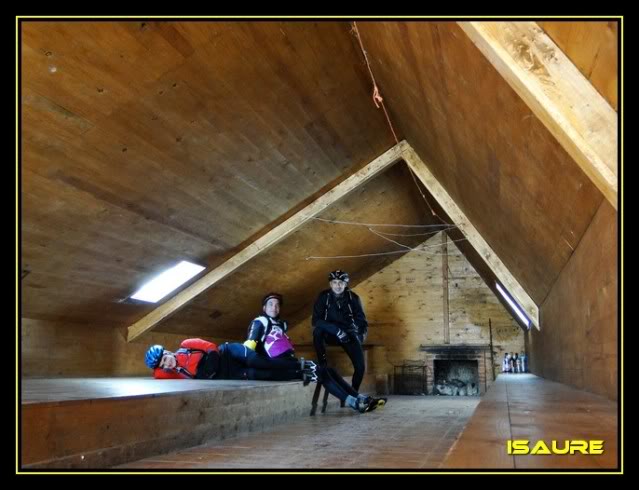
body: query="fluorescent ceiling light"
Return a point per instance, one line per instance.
(158, 287)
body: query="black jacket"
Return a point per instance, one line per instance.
(345, 311)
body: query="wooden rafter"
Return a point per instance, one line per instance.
(470, 232)
(278, 233)
(557, 93)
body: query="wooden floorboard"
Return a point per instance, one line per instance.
(526, 407)
(410, 433)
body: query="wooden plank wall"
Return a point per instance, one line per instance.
(52, 349)
(227, 308)
(593, 47)
(525, 195)
(471, 303)
(404, 305)
(578, 342)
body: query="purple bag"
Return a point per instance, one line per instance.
(277, 343)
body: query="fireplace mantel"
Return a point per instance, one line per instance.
(457, 348)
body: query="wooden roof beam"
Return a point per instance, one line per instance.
(278, 233)
(557, 93)
(470, 232)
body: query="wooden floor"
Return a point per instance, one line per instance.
(525, 407)
(87, 423)
(411, 432)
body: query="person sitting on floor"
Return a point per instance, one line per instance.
(267, 332)
(200, 359)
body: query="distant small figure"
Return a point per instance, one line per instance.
(523, 359)
(505, 365)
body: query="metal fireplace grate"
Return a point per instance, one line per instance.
(409, 378)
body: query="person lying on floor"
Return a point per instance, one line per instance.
(339, 388)
(200, 359)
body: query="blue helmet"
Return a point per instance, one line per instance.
(154, 356)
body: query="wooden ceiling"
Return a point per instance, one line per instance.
(516, 184)
(148, 142)
(225, 310)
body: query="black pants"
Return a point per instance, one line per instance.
(327, 334)
(247, 364)
(335, 384)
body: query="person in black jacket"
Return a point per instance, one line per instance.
(339, 319)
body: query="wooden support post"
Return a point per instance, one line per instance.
(445, 287)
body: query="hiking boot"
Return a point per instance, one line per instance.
(309, 377)
(309, 365)
(363, 406)
(376, 403)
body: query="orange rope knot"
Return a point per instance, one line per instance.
(377, 97)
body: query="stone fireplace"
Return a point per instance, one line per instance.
(457, 370)
(455, 377)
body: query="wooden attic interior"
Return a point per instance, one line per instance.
(148, 142)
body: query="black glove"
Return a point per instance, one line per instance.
(352, 331)
(343, 336)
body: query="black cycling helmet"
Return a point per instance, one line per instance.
(340, 275)
(277, 296)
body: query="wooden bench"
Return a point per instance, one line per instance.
(104, 422)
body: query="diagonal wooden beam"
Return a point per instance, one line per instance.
(557, 93)
(470, 232)
(278, 233)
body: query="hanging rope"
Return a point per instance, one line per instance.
(390, 240)
(378, 225)
(377, 97)
(385, 233)
(379, 100)
(432, 211)
(422, 249)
